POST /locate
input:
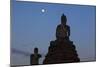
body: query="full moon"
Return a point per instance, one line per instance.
(43, 10)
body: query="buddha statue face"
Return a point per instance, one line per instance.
(63, 19)
(35, 50)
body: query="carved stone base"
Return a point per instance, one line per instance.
(61, 52)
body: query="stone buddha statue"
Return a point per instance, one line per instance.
(63, 30)
(61, 50)
(34, 60)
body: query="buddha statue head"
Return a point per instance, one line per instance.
(63, 19)
(36, 50)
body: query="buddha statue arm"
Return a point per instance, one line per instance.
(68, 31)
(57, 33)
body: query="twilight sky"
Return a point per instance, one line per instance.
(34, 25)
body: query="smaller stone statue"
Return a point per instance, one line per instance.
(34, 58)
(63, 30)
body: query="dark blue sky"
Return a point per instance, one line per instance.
(30, 27)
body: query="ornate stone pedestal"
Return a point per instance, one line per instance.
(61, 52)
